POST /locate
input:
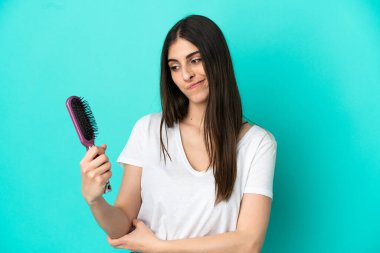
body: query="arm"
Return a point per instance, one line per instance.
(111, 219)
(116, 220)
(248, 237)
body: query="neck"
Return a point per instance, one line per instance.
(195, 115)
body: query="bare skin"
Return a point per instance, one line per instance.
(194, 144)
(186, 71)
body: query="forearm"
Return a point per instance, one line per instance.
(227, 242)
(111, 219)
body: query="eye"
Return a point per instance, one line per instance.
(174, 68)
(196, 60)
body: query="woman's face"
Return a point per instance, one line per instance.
(186, 68)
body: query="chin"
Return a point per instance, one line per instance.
(198, 99)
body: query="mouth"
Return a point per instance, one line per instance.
(194, 85)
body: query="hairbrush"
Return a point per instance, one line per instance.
(85, 124)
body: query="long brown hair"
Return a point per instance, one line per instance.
(223, 116)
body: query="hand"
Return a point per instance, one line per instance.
(141, 239)
(96, 171)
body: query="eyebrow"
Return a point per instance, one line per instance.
(187, 56)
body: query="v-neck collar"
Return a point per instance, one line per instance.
(186, 160)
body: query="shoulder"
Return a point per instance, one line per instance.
(267, 136)
(148, 119)
(259, 137)
(148, 123)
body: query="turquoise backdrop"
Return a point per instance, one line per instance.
(308, 71)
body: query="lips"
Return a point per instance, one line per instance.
(195, 84)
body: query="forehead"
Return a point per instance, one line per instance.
(180, 49)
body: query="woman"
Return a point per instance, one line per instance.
(197, 178)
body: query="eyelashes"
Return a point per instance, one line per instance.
(196, 60)
(193, 61)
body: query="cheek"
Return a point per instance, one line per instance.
(200, 69)
(176, 77)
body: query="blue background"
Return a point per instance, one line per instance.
(308, 71)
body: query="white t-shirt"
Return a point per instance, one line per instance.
(178, 201)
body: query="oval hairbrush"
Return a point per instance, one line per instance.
(84, 123)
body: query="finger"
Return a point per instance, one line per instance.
(99, 170)
(114, 242)
(93, 152)
(97, 162)
(135, 222)
(104, 177)
(118, 246)
(89, 156)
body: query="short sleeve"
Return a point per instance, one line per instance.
(133, 151)
(261, 172)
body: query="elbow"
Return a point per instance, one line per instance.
(250, 245)
(254, 247)
(249, 248)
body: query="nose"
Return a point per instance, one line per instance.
(187, 73)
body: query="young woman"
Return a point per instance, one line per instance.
(197, 178)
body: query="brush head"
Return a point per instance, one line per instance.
(83, 119)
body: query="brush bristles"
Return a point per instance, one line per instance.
(85, 118)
